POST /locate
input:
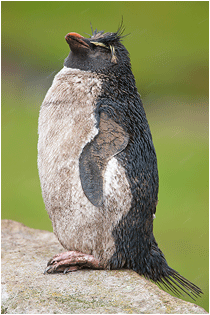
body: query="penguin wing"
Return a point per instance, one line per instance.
(110, 140)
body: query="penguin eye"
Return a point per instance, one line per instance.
(111, 48)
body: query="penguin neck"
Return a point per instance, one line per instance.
(119, 83)
(86, 62)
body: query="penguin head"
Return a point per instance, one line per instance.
(97, 53)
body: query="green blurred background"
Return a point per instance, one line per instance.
(168, 45)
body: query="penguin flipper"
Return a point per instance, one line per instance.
(111, 140)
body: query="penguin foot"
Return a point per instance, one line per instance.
(71, 261)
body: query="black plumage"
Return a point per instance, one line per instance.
(135, 243)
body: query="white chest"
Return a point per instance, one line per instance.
(66, 125)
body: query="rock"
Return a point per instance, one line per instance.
(26, 290)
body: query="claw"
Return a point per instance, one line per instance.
(48, 268)
(71, 269)
(66, 271)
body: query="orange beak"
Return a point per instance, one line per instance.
(76, 41)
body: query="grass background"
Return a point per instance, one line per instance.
(168, 45)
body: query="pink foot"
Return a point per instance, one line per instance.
(71, 261)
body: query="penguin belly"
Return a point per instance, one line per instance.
(66, 124)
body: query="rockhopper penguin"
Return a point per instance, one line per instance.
(98, 167)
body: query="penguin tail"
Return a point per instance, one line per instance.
(177, 284)
(164, 275)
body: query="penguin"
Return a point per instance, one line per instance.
(98, 167)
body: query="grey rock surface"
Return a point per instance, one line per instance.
(26, 290)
